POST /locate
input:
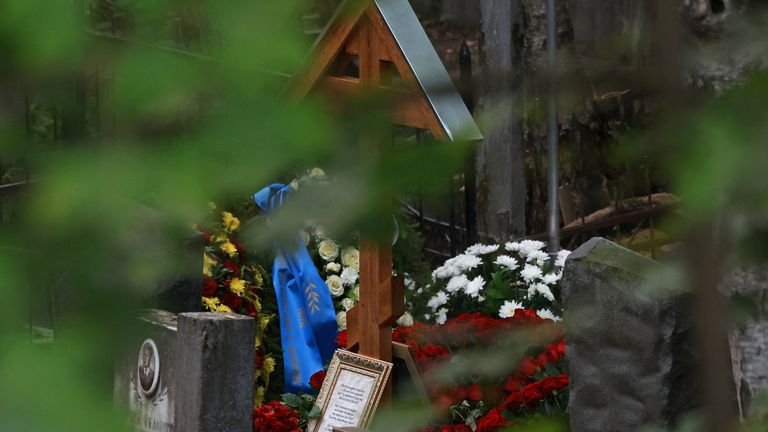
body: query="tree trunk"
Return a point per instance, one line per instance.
(500, 157)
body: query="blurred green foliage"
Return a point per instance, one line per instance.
(130, 116)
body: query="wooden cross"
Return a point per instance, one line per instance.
(385, 38)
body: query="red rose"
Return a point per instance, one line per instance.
(206, 235)
(275, 417)
(533, 393)
(259, 358)
(491, 421)
(209, 287)
(435, 351)
(232, 267)
(474, 392)
(513, 383)
(239, 246)
(341, 339)
(316, 380)
(231, 299)
(251, 309)
(528, 367)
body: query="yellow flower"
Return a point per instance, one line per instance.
(258, 397)
(230, 222)
(237, 286)
(269, 365)
(223, 308)
(208, 262)
(211, 303)
(264, 322)
(229, 248)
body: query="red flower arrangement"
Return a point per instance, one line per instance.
(537, 378)
(274, 416)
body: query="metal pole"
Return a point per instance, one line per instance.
(553, 216)
(470, 189)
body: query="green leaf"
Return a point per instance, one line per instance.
(292, 400)
(314, 412)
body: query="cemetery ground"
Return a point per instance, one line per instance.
(330, 216)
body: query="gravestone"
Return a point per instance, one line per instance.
(188, 372)
(749, 339)
(629, 354)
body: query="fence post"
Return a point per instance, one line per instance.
(470, 188)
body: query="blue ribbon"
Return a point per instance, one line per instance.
(307, 317)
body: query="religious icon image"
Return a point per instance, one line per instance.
(148, 367)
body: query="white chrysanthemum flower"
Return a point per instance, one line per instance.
(409, 283)
(406, 320)
(445, 271)
(347, 303)
(349, 276)
(542, 289)
(530, 272)
(551, 278)
(531, 245)
(474, 287)
(547, 314)
(438, 300)
(561, 257)
(512, 246)
(538, 256)
(456, 283)
(466, 262)
(456, 266)
(509, 308)
(441, 316)
(481, 249)
(506, 261)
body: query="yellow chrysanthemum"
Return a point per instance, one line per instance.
(208, 262)
(223, 308)
(258, 397)
(269, 365)
(228, 248)
(211, 303)
(237, 286)
(230, 222)
(264, 322)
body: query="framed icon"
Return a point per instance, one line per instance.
(351, 391)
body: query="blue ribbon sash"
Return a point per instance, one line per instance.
(307, 316)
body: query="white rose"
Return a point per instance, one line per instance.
(333, 267)
(294, 184)
(406, 320)
(347, 303)
(350, 257)
(317, 173)
(304, 236)
(328, 250)
(335, 286)
(341, 320)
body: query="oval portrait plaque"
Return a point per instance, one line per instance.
(148, 368)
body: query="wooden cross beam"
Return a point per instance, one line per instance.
(369, 323)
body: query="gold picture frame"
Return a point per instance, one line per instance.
(351, 391)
